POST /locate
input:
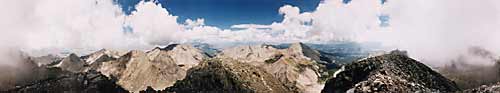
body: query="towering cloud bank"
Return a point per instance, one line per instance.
(432, 30)
(436, 31)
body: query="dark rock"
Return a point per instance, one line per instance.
(72, 63)
(393, 72)
(151, 90)
(86, 82)
(25, 71)
(46, 60)
(229, 76)
(493, 88)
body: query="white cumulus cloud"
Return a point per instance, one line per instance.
(434, 30)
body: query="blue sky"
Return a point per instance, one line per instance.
(224, 13)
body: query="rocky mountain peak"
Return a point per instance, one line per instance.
(394, 72)
(287, 64)
(303, 50)
(259, 68)
(158, 68)
(46, 60)
(166, 48)
(101, 56)
(186, 56)
(171, 46)
(136, 70)
(134, 53)
(260, 53)
(250, 54)
(71, 63)
(298, 46)
(73, 57)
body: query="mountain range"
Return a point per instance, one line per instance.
(296, 68)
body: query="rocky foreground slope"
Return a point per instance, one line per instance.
(394, 72)
(492, 88)
(85, 82)
(217, 76)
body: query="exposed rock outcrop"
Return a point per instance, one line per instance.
(87, 82)
(102, 55)
(219, 76)
(186, 56)
(136, 70)
(45, 60)
(72, 63)
(493, 88)
(394, 72)
(304, 51)
(296, 64)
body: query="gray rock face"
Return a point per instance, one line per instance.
(296, 64)
(217, 76)
(394, 72)
(72, 63)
